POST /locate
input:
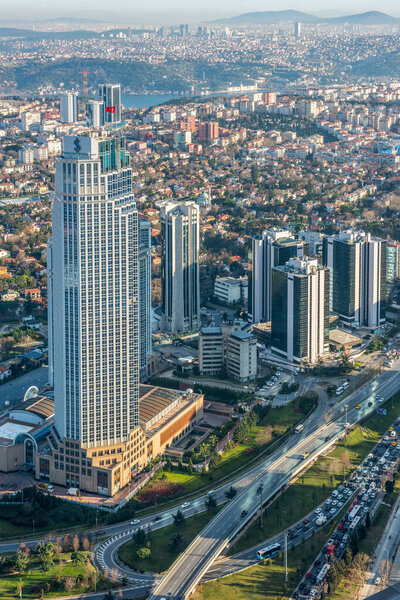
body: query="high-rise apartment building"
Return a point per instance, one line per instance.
(208, 132)
(180, 268)
(358, 277)
(271, 249)
(300, 310)
(95, 113)
(110, 95)
(144, 269)
(68, 108)
(94, 300)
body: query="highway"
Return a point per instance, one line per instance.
(275, 472)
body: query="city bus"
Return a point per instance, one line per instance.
(322, 574)
(299, 428)
(353, 513)
(268, 552)
(354, 524)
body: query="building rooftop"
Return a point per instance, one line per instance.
(42, 407)
(211, 331)
(242, 335)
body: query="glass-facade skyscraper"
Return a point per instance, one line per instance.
(144, 269)
(94, 293)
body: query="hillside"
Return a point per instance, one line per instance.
(272, 17)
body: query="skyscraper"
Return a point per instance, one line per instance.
(144, 269)
(68, 108)
(110, 95)
(358, 277)
(181, 281)
(95, 113)
(300, 310)
(272, 248)
(94, 304)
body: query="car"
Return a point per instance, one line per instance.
(306, 521)
(358, 406)
(308, 575)
(50, 488)
(135, 522)
(318, 510)
(157, 518)
(328, 501)
(334, 502)
(378, 580)
(243, 513)
(260, 487)
(312, 593)
(369, 403)
(332, 511)
(185, 505)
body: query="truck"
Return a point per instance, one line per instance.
(73, 491)
(321, 520)
(299, 428)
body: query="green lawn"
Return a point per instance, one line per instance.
(162, 553)
(265, 582)
(35, 580)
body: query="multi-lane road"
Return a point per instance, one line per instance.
(273, 474)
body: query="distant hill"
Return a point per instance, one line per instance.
(75, 20)
(46, 35)
(272, 17)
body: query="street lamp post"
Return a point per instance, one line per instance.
(346, 406)
(286, 571)
(261, 506)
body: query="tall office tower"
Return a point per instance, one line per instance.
(95, 113)
(300, 310)
(144, 269)
(358, 277)
(68, 108)
(273, 248)
(110, 95)
(297, 29)
(94, 304)
(392, 262)
(50, 325)
(181, 281)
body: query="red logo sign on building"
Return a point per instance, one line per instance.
(110, 109)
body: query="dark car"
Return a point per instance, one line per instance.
(243, 513)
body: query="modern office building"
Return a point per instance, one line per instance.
(231, 290)
(241, 356)
(392, 262)
(297, 29)
(227, 349)
(211, 351)
(69, 108)
(300, 310)
(358, 277)
(180, 265)
(95, 113)
(110, 95)
(144, 268)
(272, 248)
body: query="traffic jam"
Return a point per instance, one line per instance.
(366, 488)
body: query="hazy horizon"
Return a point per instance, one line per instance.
(155, 11)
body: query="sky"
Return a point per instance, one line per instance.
(158, 11)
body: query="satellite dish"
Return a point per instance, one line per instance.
(31, 393)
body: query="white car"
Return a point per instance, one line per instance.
(135, 522)
(317, 510)
(378, 580)
(185, 505)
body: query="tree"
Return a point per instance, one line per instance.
(368, 521)
(76, 543)
(21, 561)
(178, 542)
(345, 462)
(109, 595)
(231, 493)
(139, 537)
(216, 459)
(86, 543)
(389, 486)
(69, 584)
(179, 518)
(347, 557)
(211, 502)
(143, 553)
(79, 558)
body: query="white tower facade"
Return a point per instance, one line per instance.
(68, 108)
(94, 293)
